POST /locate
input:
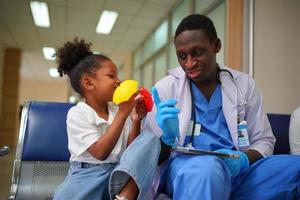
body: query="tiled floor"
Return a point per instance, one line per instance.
(6, 166)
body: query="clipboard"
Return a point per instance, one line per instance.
(193, 151)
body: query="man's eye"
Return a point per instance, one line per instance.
(182, 56)
(197, 52)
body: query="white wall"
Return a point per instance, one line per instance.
(43, 91)
(277, 53)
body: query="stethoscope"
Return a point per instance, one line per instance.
(240, 104)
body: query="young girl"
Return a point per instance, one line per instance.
(103, 166)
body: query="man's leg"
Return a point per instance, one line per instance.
(198, 177)
(273, 178)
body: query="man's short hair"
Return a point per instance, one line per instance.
(197, 22)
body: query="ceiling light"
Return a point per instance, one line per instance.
(53, 72)
(40, 13)
(106, 21)
(72, 99)
(49, 53)
(97, 52)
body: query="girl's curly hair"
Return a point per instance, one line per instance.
(71, 54)
(75, 59)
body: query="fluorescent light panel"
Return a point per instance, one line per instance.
(106, 21)
(72, 99)
(40, 13)
(97, 52)
(49, 53)
(53, 72)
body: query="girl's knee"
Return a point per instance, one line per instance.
(150, 140)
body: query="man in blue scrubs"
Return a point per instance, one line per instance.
(204, 105)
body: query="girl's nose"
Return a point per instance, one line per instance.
(118, 81)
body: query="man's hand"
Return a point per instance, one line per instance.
(235, 165)
(167, 118)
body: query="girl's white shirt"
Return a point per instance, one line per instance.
(85, 127)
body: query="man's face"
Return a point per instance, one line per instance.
(197, 54)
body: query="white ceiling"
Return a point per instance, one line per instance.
(77, 18)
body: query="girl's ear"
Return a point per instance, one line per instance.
(87, 83)
(217, 45)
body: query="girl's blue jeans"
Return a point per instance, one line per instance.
(104, 181)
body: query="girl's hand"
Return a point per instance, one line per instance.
(127, 106)
(139, 112)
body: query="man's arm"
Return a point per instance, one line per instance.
(164, 152)
(261, 137)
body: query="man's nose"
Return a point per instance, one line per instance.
(190, 62)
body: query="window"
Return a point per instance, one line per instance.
(161, 35)
(138, 58)
(158, 53)
(137, 75)
(147, 48)
(160, 68)
(173, 61)
(217, 15)
(180, 12)
(148, 76)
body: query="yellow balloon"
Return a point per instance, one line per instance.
(125, 91)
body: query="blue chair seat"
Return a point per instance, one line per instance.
(42, 156)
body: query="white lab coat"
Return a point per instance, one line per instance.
(176, 85)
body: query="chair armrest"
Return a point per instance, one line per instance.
(4, 150)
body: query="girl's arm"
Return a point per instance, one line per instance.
(135, 131)
(102, 148)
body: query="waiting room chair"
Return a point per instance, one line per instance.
(280, 126)
(4, 150)
(42, 155)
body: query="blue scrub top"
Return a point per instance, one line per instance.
(214, 133)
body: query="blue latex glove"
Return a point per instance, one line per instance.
(236, 165)
(167, 118)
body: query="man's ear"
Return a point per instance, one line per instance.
(218, 45)
(87, 83)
